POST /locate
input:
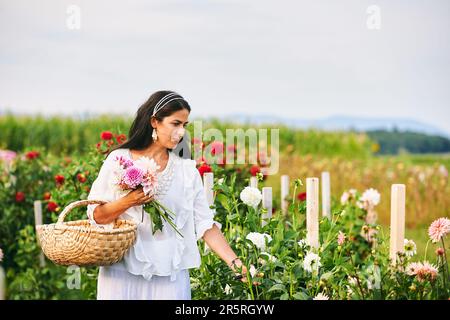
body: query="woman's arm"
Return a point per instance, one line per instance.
(218, 244)
(203, 218)
(109, 212)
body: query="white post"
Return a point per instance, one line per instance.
(284, 193)
(254, 182)
(312, 212)
(2, 284)
(267, 204)
(326, 202)
(37, 222)
(398, 195)
(208, 184)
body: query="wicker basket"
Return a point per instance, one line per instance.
(80, 243)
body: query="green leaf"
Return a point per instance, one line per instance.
(300, 296)
(276, 287)
(223, 200)
(326, 276)
(284, 296)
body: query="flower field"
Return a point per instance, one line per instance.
(352, 261)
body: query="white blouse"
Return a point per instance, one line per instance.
(163, 253)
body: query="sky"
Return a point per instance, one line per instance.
(296, 59)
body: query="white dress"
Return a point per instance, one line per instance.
(156, 266)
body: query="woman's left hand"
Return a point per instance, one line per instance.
(236, 266)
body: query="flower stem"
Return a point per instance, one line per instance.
(445, 263)
(161, 212)
(293, 205)
(426, 249)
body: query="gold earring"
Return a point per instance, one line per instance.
(154, 135)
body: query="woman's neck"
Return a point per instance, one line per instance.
(155, 151)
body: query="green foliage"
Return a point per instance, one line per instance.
(311, 141)
(57, 135)
(60, 135)
(35, 177)
(357, 268)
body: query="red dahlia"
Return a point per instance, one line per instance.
(204, 168)
(254, 170)
(121, 138)
(59, 179)
(32, 155)
(106, 135)
(301, 196)
(52, 206)
(20, 196)
(81, 178)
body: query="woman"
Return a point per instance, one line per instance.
(156, 266)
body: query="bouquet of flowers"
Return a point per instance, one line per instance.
(130, 175)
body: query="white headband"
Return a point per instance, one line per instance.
(161, 102)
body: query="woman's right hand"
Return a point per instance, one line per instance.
(137, 197)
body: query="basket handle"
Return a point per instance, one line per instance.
(75, 204)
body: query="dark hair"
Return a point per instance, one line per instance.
(140, 134)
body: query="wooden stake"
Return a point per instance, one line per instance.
(312, 212)
(284, 193)
(37, 222)
(326, 201)
(208, 184)
(398, 195)
(253, 182)
(267, 204)
(2, 284)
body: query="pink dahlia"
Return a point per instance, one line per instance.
(438, 229)
(341, 238)
(124, 162)
(7, 155)
(133, 177)
(216, 147)
(422, 271)
(150, 183)
(440, 251)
